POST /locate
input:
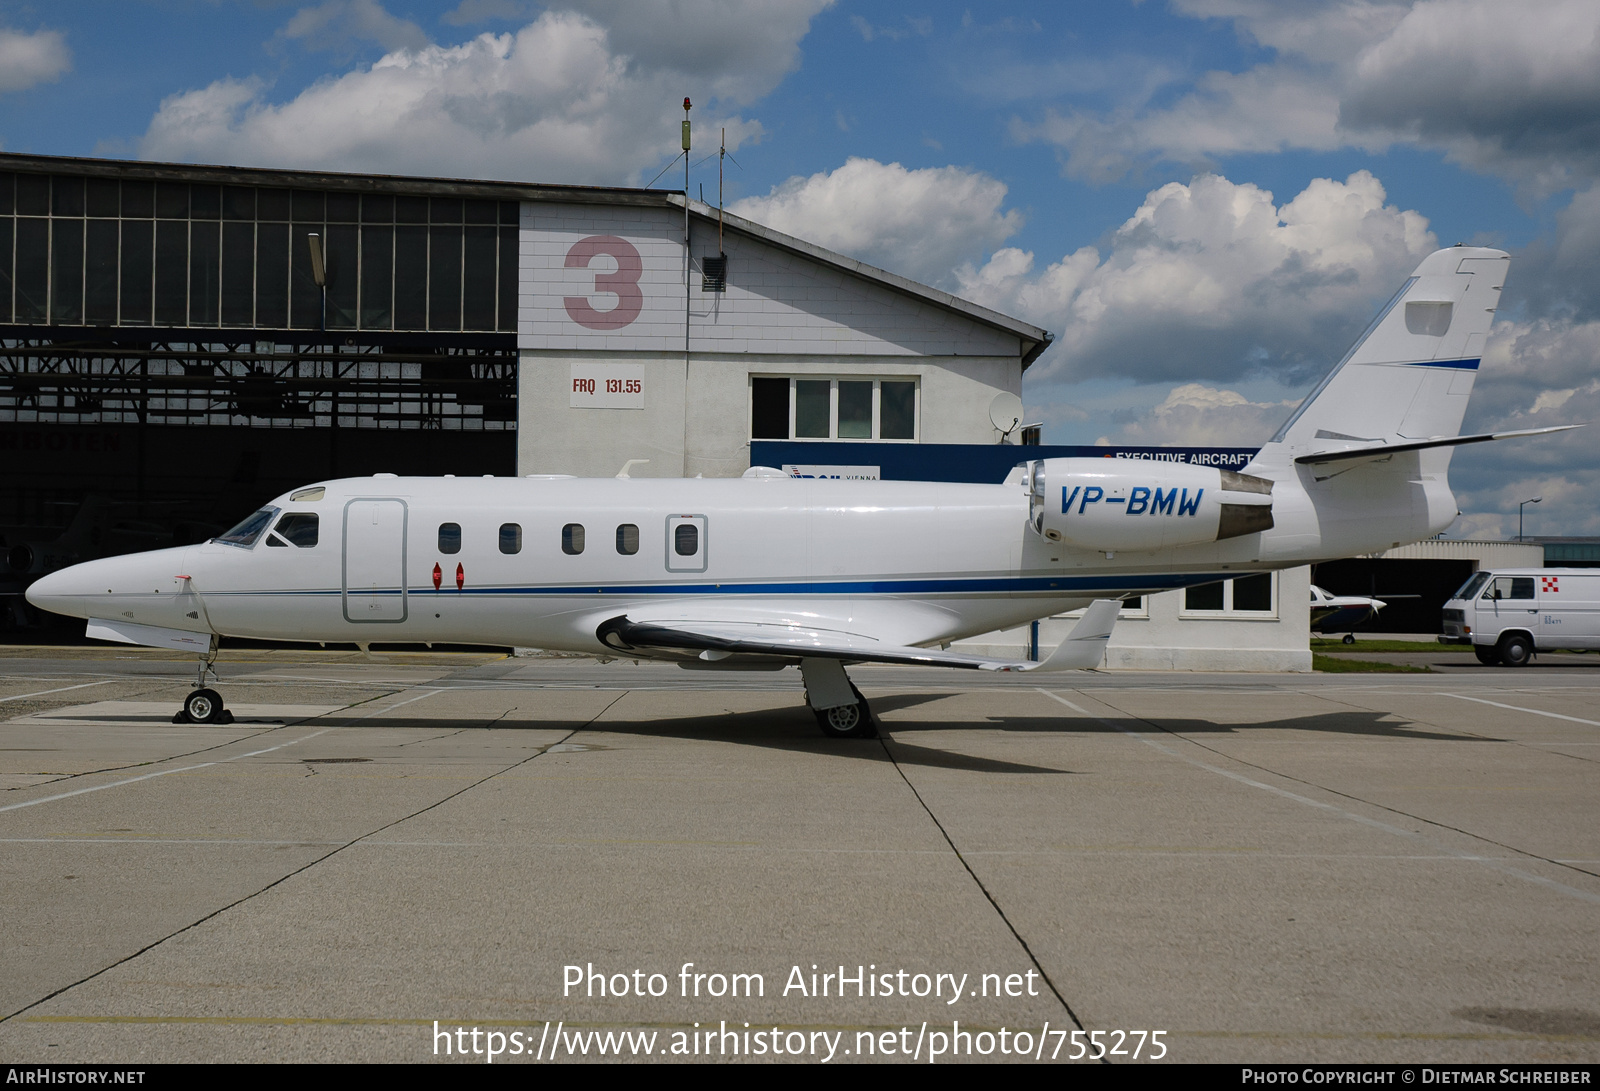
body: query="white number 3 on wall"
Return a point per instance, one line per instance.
(624, 283)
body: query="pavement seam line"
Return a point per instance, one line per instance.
(63, 689)
(1516, 708)
(185, 754)
(1526, 876)
(1407, 814)
(883, 741)
(310, 863)
(219, 761)
(1475, 734)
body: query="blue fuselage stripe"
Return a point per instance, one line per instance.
(990, 586)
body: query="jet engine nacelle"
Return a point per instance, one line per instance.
(1127, 504)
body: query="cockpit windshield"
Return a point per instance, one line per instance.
(1471, 587)
(248, 532)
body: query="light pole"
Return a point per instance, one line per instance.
(1525, 503)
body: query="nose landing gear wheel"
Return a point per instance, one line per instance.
(203, 706)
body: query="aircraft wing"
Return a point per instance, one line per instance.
(716, 640)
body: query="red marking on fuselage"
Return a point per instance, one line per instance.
(461, 577)
(438, 577)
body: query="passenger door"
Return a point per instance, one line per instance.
(374, 581)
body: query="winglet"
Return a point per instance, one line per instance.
(1085, 646)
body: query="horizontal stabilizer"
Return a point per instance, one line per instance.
(1383, 450)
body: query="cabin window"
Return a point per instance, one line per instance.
(627, 539)
(572, 539)
(449, 537)
(510, 538)
(296, 529)
(847, 409)
(246, 533)
(686, 539)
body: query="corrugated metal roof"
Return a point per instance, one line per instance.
(1034, 339)
(1488, 554)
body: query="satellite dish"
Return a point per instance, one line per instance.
(1005, 412)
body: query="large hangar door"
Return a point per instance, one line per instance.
(375, 560)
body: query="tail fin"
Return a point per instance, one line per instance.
(1409, 375)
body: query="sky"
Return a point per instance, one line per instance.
(1203, 200)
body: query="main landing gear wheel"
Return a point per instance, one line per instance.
(848, 721)
(203, 706)
(1349, 638)
(1488, 656)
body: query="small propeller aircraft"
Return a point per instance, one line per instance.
(1330, 612)
(768, 571)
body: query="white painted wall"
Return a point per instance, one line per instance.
(623, 301)
(1161, 637)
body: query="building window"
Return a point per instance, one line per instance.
(104, 251)
(1247, 596)
(845, 409)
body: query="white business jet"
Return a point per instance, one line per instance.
(769, 571)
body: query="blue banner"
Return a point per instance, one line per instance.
(974, 462)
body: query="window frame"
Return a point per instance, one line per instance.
(1229, 611)
(833, 382)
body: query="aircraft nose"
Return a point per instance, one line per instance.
(92, 588)
(64, 592)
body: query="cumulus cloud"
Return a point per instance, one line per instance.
(571, 97)
(27, 60)
(1511, 89)
(1204, 416)
(920, 223)
(921, 27)
(1212, 280)
(339, 23)
(737, 49)
(469, 12)
(1268, 109)
(1508, 88)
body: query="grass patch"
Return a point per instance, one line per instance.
(1337, 664)
(1421, 647)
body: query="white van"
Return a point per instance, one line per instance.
(1509, 614)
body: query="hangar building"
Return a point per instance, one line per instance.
(178, 342)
